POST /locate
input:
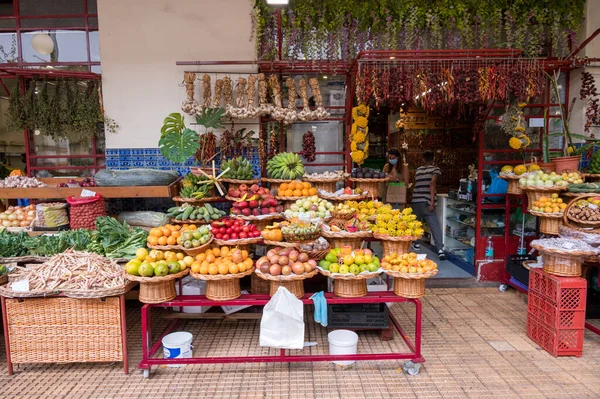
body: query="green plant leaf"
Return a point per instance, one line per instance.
(211, 118)
(178, 147)
(173, 123)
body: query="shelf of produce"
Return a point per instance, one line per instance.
(150, 347)
(107, 192)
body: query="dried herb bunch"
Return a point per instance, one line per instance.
(62, 109)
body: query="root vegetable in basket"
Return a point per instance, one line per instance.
(285, 261)
(224, 260)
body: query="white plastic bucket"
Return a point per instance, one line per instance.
(177, 345)
(342, 342)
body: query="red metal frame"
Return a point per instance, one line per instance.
(123, 317)
(149, 348)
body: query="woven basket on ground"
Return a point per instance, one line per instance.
(513, 185)
(342, 238)
(410, 285)
(157, 289)
(64, 330)
(349, 285)
(549, 222)
(223, 287)
(391, 245)
(197, 250)
(259, 285)
(369, 185)
(293, 282)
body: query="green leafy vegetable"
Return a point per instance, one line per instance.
(115, 240)
(11, 244)
(50, 245)
(179, 147)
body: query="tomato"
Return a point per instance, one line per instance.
(235, 236)
(246, 229)
(229, 223)
(237, 229)
(239, 222)
(229, 231)
(243, 234)
(219, 236)
(225, 237)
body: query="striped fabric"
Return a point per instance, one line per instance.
(422, 180)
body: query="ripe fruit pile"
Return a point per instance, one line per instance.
(272, 233)
(299, 230)
(166, 235)
(407, 263)
(204, 213)
(193, 239)
(366, 173)
(286, 166)
(312, 207)
(551, 204)
(594, 167)
(239, 169)
(587, 210)
(296, 188)
(356, 262)
(541, 179)
(253, 201)
(285, 261)
(157, 263)
(396, 223)
(224, 260)
(231, 229)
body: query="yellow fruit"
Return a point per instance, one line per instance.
(188, 260)
(507, 169)
(534, 167)
(223, 269)
(204, 269)
(233, 269)
(519, 170)
(213, 269)
(141, 253)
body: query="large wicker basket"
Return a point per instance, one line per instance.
(369, 185)
(325, 184)
(259, 285)
(535, 193)
(65, 330)
(397, 245)
(197, 250)
(260, 222)
(235, 184)
(157, 289)
(549, 222)
(591, 227)
(294, 283)
(342, 238)
(410, 285)
(223, 287)
(349, 285)
(562, 262)
(513, 185)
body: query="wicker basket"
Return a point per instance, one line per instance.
(409, 285)
(535, 193)
(349, 285)
(342, 215)
(165, 247)
(282, 244)
(341, 238)
(235, 184)
(223, 287)
(325, 184)
(549, 223)
(591, 177)
(317, 255)
(513, 185)
(566, 266)
(369, 185)
(260, 223)
(259, 285)
(294, 283)
(330, 196)
(270, 182)
(398, 245)
(157, 289)
(64, 330)
(238, 243)
(197, 222)
(197, 250)
(293, 238)
(584, 223)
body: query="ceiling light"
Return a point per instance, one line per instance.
(42, 43)
(278, 2)
(392, 58)
(324, 76)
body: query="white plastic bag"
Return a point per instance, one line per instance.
(282, 324)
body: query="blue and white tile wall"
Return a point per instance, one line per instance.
(151, 158)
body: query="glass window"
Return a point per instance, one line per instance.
(54, 7)
(53, 23)
(94, 46)
(8, 48)
(93, 22)
(96, 68)
(92, 7)
(69, 46)
(6, 7)
(8, 23)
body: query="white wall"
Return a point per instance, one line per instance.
(140, 40)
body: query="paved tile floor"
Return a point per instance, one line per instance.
(474, 342)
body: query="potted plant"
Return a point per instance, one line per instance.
(571, 155)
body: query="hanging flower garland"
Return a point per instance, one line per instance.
(359, 141)
(513, 123)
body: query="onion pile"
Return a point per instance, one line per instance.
(21, 182)
(18, 216)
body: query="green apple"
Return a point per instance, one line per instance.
(161, 269)
(324, 264)
(363, 268)
(174, 267)
(331, 257)
(372, 267)
(146, 270)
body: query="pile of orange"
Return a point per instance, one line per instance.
(224, 260)
(551, 204)
(296, 188)
(168, 234)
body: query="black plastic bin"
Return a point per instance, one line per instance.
(359, 316)
(514, 267)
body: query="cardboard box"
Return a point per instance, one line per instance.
(395, 194)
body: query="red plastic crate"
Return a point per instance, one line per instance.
(557, 342)
(548, 313)
(566, 293)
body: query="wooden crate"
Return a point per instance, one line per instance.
(64, 330)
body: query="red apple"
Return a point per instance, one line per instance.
(246, 229)
(279, 208)
(272, 210)
(236, 194)
(236, 211)
(218, 236)
(255, 212)
(243, 204)
(253, 204)
(243, 235)
(246, 212)
(225, 237)
(254, 187)
(235, 236)
(264, 211)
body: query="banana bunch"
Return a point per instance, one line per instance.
(595, 163)
(239, 169)
(192, 187)
(286, 166)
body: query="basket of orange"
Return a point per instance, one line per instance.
(293, 191)
(166, 237)
(222, 268)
